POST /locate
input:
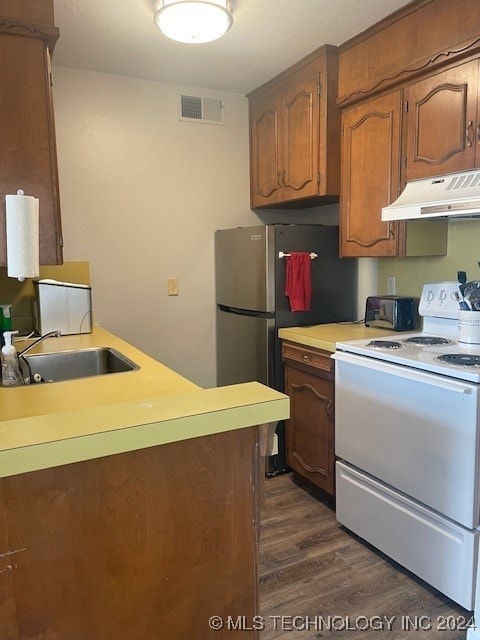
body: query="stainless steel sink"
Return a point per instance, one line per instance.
(81, 363)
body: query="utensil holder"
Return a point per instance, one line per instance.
(469, 327)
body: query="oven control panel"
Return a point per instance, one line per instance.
(440, 299)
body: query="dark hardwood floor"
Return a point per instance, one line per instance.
(337, 585)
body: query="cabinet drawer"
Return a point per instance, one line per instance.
(308, 356)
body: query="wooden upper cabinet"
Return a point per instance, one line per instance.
(418, 38)
(294, 135)
(370, 176)
(28, 158)
(441, 122)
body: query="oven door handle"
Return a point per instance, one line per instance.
(433, 380)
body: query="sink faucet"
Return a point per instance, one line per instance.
(50, 334)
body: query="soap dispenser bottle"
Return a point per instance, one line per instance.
(10, 370)
(5, 320)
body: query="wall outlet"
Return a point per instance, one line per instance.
(391, 286)
(172, 286)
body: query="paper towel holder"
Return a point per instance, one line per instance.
(22, 233)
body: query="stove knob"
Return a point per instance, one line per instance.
(430, 295)
(443, 294)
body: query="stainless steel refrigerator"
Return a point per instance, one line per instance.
(252, 306)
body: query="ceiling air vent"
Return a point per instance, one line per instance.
(201, 109)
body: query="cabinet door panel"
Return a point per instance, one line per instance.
(300, 139)
(370, 176)
(28, 158)
(265, 150)
(310, 429)
(440, 122)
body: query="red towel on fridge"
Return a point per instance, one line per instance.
(298, 281)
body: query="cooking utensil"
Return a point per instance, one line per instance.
(462, 279)
(462, 303)
(474, 299)
(469, 288)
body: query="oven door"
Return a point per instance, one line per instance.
(413, 430)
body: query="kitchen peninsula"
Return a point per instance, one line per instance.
(129, 502)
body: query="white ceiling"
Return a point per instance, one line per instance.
(267, 36)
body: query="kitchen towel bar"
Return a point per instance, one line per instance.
(287, 255)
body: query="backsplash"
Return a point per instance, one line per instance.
(463, 252)
(20, 294)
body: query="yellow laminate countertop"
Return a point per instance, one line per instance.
(47, 425)
(325, 336)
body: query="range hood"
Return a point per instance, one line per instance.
(452, 195)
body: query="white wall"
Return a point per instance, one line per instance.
(141, 196)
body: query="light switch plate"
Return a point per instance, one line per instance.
(172, 286)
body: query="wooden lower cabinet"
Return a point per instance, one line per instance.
(142, 545)
(310, 433)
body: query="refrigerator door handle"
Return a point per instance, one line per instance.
(246, 312)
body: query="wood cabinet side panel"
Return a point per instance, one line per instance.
(330, 127)
(28, 159)
(147, 544)
(51, 251)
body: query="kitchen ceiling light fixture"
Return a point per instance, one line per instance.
(193, 21)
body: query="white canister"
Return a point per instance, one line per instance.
(469, 327)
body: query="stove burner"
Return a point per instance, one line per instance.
(384, 344)
(434, 341)
(459, 360)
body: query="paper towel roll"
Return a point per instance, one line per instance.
(22, 236)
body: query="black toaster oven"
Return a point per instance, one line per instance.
(397, 313)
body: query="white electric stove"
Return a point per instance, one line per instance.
(436, 347)
(407, 431)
